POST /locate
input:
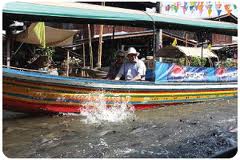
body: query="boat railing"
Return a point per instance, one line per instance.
(24, 69)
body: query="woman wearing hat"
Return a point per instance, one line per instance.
(134, 69)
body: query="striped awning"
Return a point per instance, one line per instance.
(88, 13)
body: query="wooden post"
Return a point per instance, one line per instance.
(202, 55)
(186, 39)
(122, 47)
(90, 46)
(113, 32)
(67, 73)
(84, 57)
(99, 63)
(8, 50)
(113, 37)
(159, 31)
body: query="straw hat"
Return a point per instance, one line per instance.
(132, 50)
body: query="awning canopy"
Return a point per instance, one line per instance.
(216, 48)
(53, 36)
(196, 52)
(86, 13)
(180, 51)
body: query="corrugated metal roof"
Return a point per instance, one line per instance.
(86, 13)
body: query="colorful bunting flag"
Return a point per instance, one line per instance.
(192, 6)
(209, 12)
(175, 8)
(178, 4)
(209, 47)
(186, 5)
(192, 3)
(39, 30)
(184, 9)
(200, 7)
(218, 5)
(174, 43)
(167, 7)
(228, 9)
(210, 6)
(234, 6)
(196, 6)
(219, 12)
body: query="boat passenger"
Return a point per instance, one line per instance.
(52, 70)
(134, 69)
(115, 66)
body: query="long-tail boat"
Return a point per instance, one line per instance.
(32, 91)
(27, 91)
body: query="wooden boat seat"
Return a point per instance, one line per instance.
(95, 73)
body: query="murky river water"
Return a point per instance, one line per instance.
(190, 130)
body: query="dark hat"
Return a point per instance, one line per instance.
(120, 53)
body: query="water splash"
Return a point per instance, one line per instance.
(97, 111)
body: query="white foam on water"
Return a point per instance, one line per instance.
(96, 110)
(69, 114)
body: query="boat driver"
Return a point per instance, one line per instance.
(134, 69)
(115, 66)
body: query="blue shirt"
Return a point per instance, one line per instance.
(131, 70)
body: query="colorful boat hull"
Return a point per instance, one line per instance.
(36, 92)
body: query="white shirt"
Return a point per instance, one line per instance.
(131, 70)
(53, 72)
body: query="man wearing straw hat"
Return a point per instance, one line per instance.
(134, 69)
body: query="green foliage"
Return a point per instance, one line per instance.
(194, 61)
(229, 62)
(197, 61)
(181, 61)
(48, 51)
(73, 62)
